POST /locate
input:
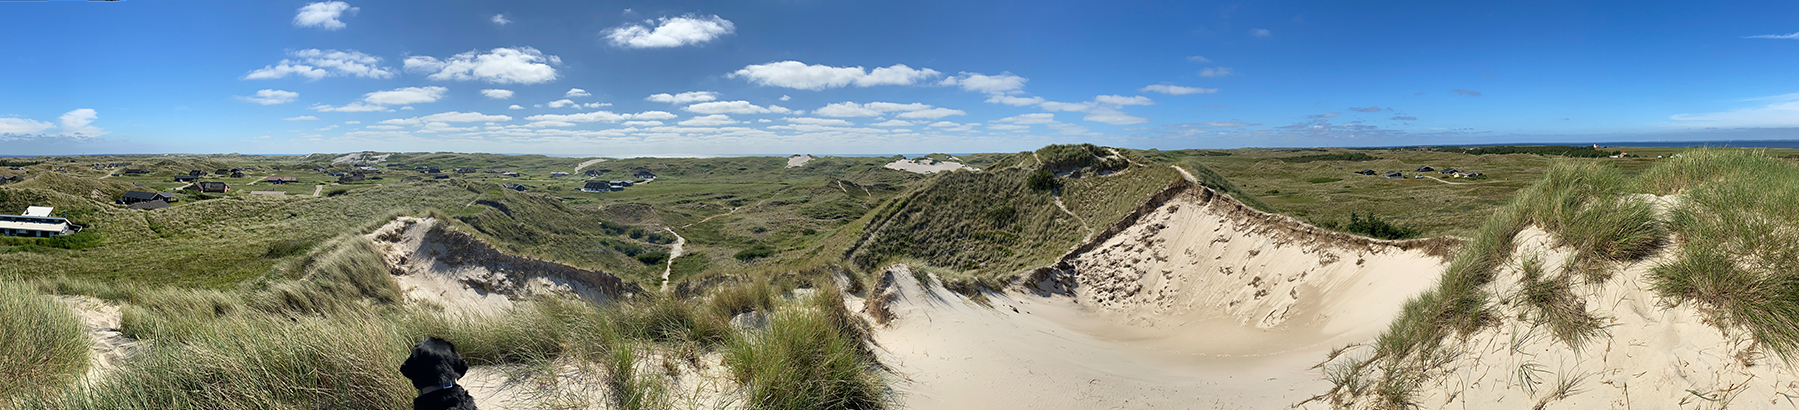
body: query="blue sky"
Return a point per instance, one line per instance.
(833, 77)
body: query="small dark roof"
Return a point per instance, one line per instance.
(141, 195)
(156, 204)
(597, 185)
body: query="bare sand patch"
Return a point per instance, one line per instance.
(1192, 302)
(584, 164)
(926, 166)
(110, 348)
(454, 270)
(797, 161)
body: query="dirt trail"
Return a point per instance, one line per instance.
(673, 252)
(1451, 183)
(1077, 218)
(584, 164)
(110, 348)
(316, 189)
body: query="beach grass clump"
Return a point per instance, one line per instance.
(810, 356)
(45, 344)
(1738, 224)
(1549, 301)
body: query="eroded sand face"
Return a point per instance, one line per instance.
(926, 166)
(1191, 306)
(797, 161)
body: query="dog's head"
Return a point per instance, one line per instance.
(434, 362)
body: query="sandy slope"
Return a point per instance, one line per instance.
(110, 348)
(1190, 303)
(1652, 356)
(797, 161)
(925, 166)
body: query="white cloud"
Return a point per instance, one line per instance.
(500, 19)
(1013, 100)
(1123, 100)
(1037, 118)
(497, 94)
(764, 120)
(785, 98)
(75, 123)
(1066, 106)
(1008, 127)
(892, 123)
(735, 107)
(1260, 32)
(576, 92)
(384, 127)
(323, 15)
(670, 32)
(562, 103)
(523, 65)
(406, 108)
(406, 95)
(1211, 72)
(820, 121)
(641, 123)
(1004, 83)
(1794, 36)
(794, 74)
(23, 126)
(875, 109)
(1176, 90)
(1783, 111)
(514, 107)
(328, 128)
(1068, 129)
(315, 64)
(1199, 59)
(1112, 116)
(708, 121)
(445, 117)
(352, 122)
(301, 118)
(603, 116)
(1226, 124)
(272, 97)
(540, 124)
(352, 107)
(683, 98)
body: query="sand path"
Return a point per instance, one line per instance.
(109, 348)
(584, 164)
(316, 189)
(1451, 183)
(673, 252)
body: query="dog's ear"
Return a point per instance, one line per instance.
(456, 360)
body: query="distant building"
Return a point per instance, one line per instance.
(132, 197)
(1366, 172)
(623, 183)
(440, 176)
(352, 177)
(515, 187)
(558, 174)
(1394, 174)
(509, 174)
(280, 180)
(597, 186)
(148, 205)
(36, 223)
(641, 173)
(209, 186)
(128, 171)
(186, 178)
(1425, 168)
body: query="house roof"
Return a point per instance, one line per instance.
(42, 211)
(140, 195)
(157, 204)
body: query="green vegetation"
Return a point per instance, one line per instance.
(810, 357)
(1065, 158)
(1323, 180)
(1335, 156)
(46, 345)
(1738, 225)
(1573, 151)
(954, 221)
(1372, 226)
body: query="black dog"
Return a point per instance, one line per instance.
(434, 368)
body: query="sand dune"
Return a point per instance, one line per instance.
(1190, 303)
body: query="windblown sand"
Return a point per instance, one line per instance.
(1189, 307)
(797, 161)
(926, 166)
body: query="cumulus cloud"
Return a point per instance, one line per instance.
(1015, 101)
(352, 107)
(444, 117)
(1404, 118)
(576, 92)
(301, 118)
(1026, 119)
(1176, 90)
(1260, 32)
(1470, 93)
(683, 98)
(323, 15)
(497, 94)
(1199, 59)
(1211, 72)
(1004, 83)
(798, 75)
(272, 97)
(500, 19)
(1123, 100)
(708, 121)
(820, 121)
(1794, 36)
(76, 123)
(603, 116)
(1227, 124)
(407, 95)
(514, 107)
(522, 65)
(315, 64)
(874, 109)
(734, 107)
(785, 98)
(1371, 108)
(892, 123)
(642, 123)
(23, 126)
(670, 32)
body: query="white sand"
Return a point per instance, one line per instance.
(797, 161)
(584, 164)
(1652, 357)
(926, 166)
(110, 347)
(1191, 307)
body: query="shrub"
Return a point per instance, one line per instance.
(754, 252)
(652, 258)
(1373, 227)
(1041, 179)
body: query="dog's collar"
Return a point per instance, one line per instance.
(429, 389)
